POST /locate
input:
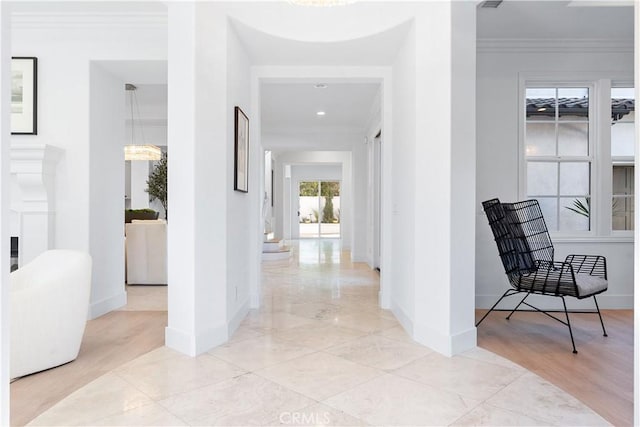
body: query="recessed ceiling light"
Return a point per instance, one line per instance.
(321, 113)
(321, 85)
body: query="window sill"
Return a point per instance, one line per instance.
(591, 239)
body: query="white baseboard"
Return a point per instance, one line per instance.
(107, 305)
(403, 318)
(254, 301)
(447, 345)
(193, 345)
(605, 301)
(237, 318)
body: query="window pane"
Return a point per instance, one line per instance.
(541, 104)
(573, 104)
(542, 178)
(573, 139)
(622, 212)
(549, 207)
(574, 214)
(541, 139)
(623, 180)
(622, 207)
(574, 178)
(622, 121)
(622, 104)
(622, 139)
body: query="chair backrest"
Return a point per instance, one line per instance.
(520, 233)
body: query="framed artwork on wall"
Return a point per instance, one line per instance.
(24, 95)
(241, 176)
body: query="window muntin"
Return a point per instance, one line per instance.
(558, 155)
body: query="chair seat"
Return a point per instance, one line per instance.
(589, 285)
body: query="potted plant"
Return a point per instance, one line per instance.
(157, 184)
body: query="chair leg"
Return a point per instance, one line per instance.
(519, 304)
(604, 331)
(494, 305)
(569, 325)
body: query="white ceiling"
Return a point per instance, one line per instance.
(138, 72)
(293, 106)
(377, 49)
(544, 19)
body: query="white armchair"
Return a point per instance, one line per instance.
(146, 252)
(49, 307)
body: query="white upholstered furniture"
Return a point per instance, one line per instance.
(146, 252)
(49, 307)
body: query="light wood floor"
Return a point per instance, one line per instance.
(109, 341)
(600, 375)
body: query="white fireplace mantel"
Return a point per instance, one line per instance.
(33, 168)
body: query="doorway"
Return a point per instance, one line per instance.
(319, 209)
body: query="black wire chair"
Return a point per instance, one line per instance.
(526, 251)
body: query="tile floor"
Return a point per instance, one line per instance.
(319, 352)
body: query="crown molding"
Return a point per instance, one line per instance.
(85, 20)
(555, 46)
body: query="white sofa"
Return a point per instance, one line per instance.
(49, 307)
(146, 252)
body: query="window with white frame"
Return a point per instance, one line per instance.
(559, 155)
(622, 157)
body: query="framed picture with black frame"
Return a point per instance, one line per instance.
(24, 95)
(241, 169)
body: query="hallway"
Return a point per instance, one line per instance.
(319, 352)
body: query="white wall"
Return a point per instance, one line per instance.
(64, 53)
(106, 204)
(372, 170)
(243, 220)
(360, 200)
(5, 114)
(497, 161)
(403, 181)
(214, 232)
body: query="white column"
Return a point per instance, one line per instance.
(106, 179)
(198, 181)
(139, 177)
(463, 176)
(5, 141)
(444, 271)
(34, 167)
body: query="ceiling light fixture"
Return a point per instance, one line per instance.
(321, 3)
(321, 86)
(135, 151)
(142, 152)
(321, 113)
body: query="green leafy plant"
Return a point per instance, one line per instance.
(329, 190)
(146, 213)
(580, 207)
(157, 184)
(145, 210)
